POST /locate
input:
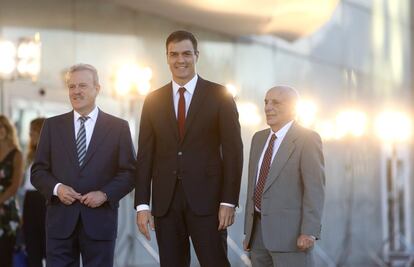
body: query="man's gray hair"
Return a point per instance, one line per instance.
(81, 67)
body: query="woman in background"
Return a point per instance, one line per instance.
(34, 206)
(11, 172)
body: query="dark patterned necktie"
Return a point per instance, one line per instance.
(264, 171)
(81, 140)
(181, 113)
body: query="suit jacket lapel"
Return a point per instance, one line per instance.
(256, 153)
(67, 133)
(196, 102)
(100, 130)
(283, 154)
(170, 111)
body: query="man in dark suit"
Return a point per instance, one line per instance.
(286, 185)
(84, 165)
(190, 149)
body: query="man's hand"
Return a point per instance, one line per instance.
(67, 195)
(225, 216)
(305, 242)
(246, 245)
(94, 199)
(144, 218)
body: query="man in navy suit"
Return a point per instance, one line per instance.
(189, 161)
(84, 165)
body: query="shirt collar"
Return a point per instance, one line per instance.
(282, 131)
(189, 87)
(93, 115)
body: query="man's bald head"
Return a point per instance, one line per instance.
(280, 106)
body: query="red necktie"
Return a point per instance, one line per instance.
(264, 171)
(181, 112)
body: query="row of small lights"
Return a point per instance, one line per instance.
(390, 125)
(23, 59)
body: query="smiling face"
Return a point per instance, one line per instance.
(182, 59)
(82, 91)
(280, 106)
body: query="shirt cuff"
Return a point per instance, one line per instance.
(142, 207)
(55, 189)
(227, 204)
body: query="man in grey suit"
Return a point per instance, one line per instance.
(285, 187)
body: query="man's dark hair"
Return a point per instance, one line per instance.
(179, 36)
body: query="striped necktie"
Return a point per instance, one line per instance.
(264, 171)
(81, 140)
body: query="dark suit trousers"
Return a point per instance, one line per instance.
(34, 216)
(6, 250)
(65, 252)
(174, 229)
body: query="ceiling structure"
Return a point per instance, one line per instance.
(287, 19)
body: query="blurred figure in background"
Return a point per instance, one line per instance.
(34, 205)
(11, 172)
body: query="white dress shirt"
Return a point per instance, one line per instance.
(28, 186)
(89, 126)
(280, 135)
(188, 95)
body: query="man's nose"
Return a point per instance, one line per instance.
(180, 58)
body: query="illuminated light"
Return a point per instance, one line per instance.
(394, 126)
(249, 114)
(28, 56)
(144, 87)
(350, 122)
(37, 37)
(306, 112)
(28, 50)
(326, 130)
(125, 78)
(7, 58)
(130, 78)
(232, 89)
(146, 74)
(7, 67)
(28, 68)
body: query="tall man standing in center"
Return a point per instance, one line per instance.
(190, 149)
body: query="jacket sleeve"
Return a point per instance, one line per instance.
(122, 183)
(143, 174)
(231, 148)
(41, 176)
(313, 177)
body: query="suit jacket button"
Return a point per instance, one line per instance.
(174, 172)
(180, 153)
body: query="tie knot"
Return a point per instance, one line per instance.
(272, 138)
(83, 119)
(181, 90)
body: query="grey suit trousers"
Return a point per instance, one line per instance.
(261, 257)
